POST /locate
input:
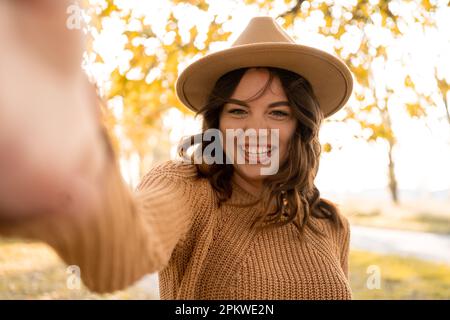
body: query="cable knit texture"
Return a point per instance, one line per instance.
(172, 225)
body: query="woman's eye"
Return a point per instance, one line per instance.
(279, 113)
(237, 111)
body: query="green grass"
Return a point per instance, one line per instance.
(31, 270)
(433, 223)
(401, 277)
(419, 215)
(423, 222)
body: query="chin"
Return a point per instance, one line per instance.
(251, 171)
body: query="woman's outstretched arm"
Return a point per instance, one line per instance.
(127, 236)
(59, 181)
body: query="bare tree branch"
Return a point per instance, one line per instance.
(293, 11)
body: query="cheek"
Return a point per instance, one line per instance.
(224, 124)
(229, 123)
(286, 135)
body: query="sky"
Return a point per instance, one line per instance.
(422, 154)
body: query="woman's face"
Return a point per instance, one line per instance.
(270, 110)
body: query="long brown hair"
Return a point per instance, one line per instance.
(292, 189)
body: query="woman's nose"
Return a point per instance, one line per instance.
(257, 130)
(256, 122)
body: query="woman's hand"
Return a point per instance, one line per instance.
(51, 154)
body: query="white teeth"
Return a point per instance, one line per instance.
(256, 150)
(257, 154)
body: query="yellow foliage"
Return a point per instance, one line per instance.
(146, 99)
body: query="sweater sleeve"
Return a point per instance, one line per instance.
(129, 236)
(344, 240)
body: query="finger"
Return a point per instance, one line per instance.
(41, 27)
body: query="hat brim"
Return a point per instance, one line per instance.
(330, 78)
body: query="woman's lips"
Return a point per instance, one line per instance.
(256, 154)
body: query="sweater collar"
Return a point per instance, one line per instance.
(240, 196)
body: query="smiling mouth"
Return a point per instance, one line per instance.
(256, 154)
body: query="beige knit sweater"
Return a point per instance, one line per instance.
(172, 225)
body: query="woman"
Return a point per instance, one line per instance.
(215, 231)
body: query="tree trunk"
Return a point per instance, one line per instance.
(444, 97)
(393, 187)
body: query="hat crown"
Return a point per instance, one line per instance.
(260, 30)
(264, 43)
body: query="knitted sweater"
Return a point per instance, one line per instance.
(172, 225)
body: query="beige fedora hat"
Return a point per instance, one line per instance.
(264, 43)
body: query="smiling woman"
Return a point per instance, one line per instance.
(219, 231)
(269, 99)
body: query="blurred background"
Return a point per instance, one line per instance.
(386, 155)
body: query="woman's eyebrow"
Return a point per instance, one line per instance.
(279, 103)
(238, 102)
(271, 105)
